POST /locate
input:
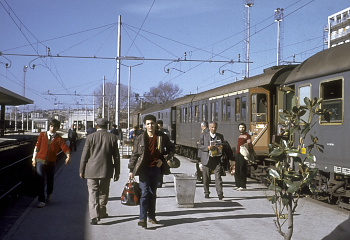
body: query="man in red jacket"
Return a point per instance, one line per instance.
(49, 144)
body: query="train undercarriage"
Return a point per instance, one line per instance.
(333, 189)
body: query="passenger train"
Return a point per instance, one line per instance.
(257, 101)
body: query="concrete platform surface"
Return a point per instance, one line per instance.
(240, 215)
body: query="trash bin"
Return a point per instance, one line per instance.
(185, 189)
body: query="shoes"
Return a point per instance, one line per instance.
(41, 205)
(142, 223)
(235, 188)
(94, 221)
(104, 215)
(153, 221)
(206, 195)
(49, 198)
(221, 197)
(241, 189)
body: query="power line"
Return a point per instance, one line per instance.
(121, 58)
(141, 26)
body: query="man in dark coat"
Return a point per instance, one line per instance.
(147, 161)
(72, 137)
(99, 160)
(210, 146)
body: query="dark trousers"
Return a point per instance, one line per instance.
(72, 145)
(218, 179)
(241, 171)
(149, 179)
(45, 172)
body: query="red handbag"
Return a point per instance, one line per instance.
(131, 193)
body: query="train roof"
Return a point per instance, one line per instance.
(274, 75)
(162, 106)
(330, 61)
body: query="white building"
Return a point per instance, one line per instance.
(339, 28)
(81, 118)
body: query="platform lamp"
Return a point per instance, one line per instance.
(25, 68)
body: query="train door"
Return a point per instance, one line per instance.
(260, 119)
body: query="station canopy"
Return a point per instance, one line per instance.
(12, 99)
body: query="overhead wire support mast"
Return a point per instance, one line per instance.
(248, 5)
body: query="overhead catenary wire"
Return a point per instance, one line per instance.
(25, 36)
(150, 59)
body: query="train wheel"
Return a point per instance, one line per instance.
(333, 200)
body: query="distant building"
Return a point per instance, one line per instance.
(339, 28)
(81, 118)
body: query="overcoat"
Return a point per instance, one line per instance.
(100, 157)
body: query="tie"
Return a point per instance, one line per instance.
(51, 138)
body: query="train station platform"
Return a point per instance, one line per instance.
(240, 215)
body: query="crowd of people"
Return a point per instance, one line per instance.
(100, 162)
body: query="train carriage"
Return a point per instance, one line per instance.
(327, 75)
(251, 101)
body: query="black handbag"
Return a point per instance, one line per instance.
(131, 193)
(174, 162)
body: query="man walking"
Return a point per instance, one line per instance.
(146, 161)
(44, 159)
(99, 160)
(210, 145)
(204, 128)
(72, 137)
(241, 163)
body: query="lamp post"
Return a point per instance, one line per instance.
(16, 118)
(25, 68)
(278, 19)
(129, 89)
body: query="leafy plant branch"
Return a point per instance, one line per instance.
(293, 155)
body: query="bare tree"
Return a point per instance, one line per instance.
(110, 96)
(162, 93)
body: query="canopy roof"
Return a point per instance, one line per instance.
(12, 99)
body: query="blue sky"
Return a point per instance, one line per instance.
(153, 29)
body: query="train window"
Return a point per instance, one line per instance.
(223, 110)
(204, 112)
(332, 94)
(190, 114)
(244, 109)
(196, 113)
(158, 115)
(289, 99)
(259, 107)
(214, 111)
(226, 110)
(237, 109)
(304, 91)
(184, 115)
(179, 115)
(173, 116)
